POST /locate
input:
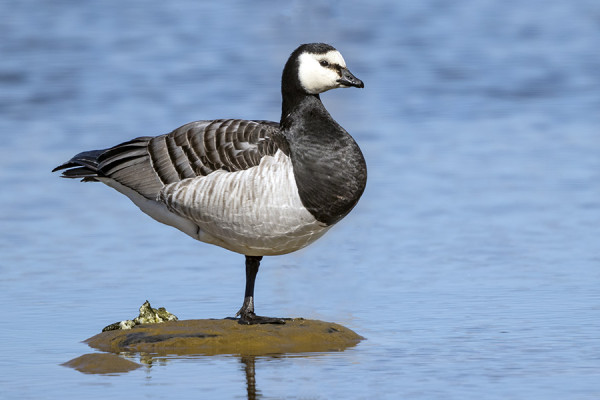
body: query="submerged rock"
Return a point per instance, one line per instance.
(101, 363)
(156, 332)
(227, 336)
(148, 315)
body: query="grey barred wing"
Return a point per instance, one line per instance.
(200, 148)
(147, 164)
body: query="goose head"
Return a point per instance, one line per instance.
(315, 68)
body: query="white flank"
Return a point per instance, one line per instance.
(155, 209)
(253, 212)
(316, 78)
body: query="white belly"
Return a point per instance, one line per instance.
(254, 212)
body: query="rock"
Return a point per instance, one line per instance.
(227, 336)
(101, 363)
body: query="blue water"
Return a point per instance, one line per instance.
(471, 264)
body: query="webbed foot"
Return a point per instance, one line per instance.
(249, 318)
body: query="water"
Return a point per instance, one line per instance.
(471, 264)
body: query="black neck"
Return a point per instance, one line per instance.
(295, 105)
(292, 93)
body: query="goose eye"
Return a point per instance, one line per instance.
(324, 63)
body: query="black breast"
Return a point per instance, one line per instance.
(329, 167)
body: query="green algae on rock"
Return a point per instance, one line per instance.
(148, 315)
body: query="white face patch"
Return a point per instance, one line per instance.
(317, 78)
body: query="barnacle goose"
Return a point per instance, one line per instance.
(257, 188)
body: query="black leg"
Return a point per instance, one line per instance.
(246, 313)
(252, 265)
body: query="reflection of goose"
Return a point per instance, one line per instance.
(254, 187)
(250, 370)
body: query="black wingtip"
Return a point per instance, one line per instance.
(83, 165)
(63, 166)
